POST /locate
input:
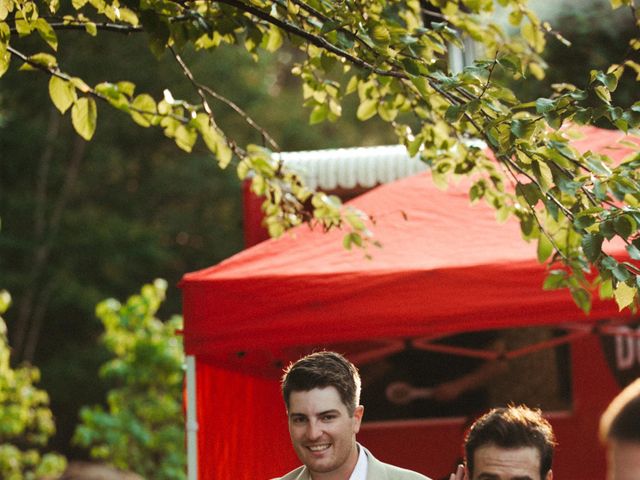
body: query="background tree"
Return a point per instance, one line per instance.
(26, 422)
(143, 428)
(384, 52)
(85, 221)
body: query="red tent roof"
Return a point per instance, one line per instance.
(445, 266)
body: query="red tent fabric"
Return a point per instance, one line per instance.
(445, 266)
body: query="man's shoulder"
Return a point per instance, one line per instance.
(392, 472)
(293, 474)
(398, 473)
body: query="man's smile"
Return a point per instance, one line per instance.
(319, 448)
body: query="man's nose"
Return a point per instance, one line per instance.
(314, 430)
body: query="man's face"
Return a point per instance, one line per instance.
(322, 432)
(497, 463)
(623, 460)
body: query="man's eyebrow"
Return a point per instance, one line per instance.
(294, 414)
(328, 412)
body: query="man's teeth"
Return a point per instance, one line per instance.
(318, 448)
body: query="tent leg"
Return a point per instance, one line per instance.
(192, 420)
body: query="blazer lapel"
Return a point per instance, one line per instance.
(375, 468)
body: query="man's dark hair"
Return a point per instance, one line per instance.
(512, 427)
(321, 370)
(621, 419)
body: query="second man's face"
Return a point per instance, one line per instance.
(322, 432)
(496, 463)
(623, 460)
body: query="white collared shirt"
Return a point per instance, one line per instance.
(360, 472)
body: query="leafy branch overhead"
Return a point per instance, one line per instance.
(391, 56)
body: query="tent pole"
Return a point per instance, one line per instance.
(192, 421)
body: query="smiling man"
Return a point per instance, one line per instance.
(512, 443)
(322, 393)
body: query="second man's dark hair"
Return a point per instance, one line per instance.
(512, 427)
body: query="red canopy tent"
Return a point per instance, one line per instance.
(445, 266)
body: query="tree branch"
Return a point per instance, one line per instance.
(104, 26)
(55, 72)
(203, 89)
(313, 39)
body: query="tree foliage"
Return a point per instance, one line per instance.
(143, 427)
(389, 54)
(26, 422)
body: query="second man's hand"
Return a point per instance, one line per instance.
(459, 474)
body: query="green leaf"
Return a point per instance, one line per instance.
(91, 28)
(22, 27)
(543, 174)
(555, 279)
(553, 119)
(607, 230)
(624, 295)
(319, 114)
(454, 113)
(582, 299)
(634, 252)
(422, 85)
(603, 93)
(146, 110)
(387, 112)
(5, 59)
(62, 93)
(185, 137)
(84, 117)
(274, 39)
(545, 248)
(126, 87)
(609, 80)
(44, 59)
(592, 246)
(583, 221)
(623, 226)
(530, 192)
(47, 33)
(380, 34)
(128, 16)
(367, 109)
(511, 63)
(544, 105)
(5, 301)
(352, 238)
(606, 289)
(523, 128)
(618, 270)
(223, 153)
(597, 164)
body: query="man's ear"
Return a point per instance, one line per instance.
(467, 474)
(549, 475)
(357, 416)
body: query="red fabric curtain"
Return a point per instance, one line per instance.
(242, 426)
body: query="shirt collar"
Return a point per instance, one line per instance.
(360, 472)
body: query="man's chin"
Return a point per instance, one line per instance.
(320, 465)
